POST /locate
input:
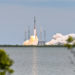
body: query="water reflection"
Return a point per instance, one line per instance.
(34, 62)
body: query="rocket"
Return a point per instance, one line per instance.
(33, 39)
(35, 32)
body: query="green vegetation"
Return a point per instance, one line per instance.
(69, 41)
(65, 45)
(69, 46)
(31, 46)
(5, 63)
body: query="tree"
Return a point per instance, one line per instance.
(69, 41)
(5, 63)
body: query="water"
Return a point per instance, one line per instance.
(42, 60)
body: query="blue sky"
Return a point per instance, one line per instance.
(54, 16)
(41, 3)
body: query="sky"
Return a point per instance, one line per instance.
(53, 16)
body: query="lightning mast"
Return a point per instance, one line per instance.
(34, 23)
(28, 32)
(25, 35)
(40, 34)
(45, 35)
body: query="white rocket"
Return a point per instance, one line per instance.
(33, 39)
(35, 32)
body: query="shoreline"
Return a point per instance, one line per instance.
(32, 46)
(35, 46)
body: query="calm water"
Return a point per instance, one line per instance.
(42, 61)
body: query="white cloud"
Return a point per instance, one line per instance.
(58, 38)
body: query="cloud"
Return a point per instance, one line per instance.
(32, 41)
(59, 39)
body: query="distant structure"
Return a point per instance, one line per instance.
(41, 41)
